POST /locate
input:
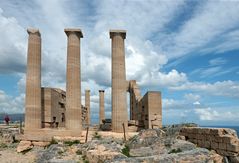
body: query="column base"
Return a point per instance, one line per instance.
(46, 134)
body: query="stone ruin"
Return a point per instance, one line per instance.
(54, 112)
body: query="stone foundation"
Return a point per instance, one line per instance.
(224, 141)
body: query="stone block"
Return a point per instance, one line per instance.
(190, 130)
(218, 139)
(216, 131)
(229, 139)
(234, 159)
(40, 144)
(232, 147)
(24, 146)
(226, 153)
(195, 130)
(222, 146)
(200, 143)
(207, 144)
(206, 130)
(214, 145)
(200, 137)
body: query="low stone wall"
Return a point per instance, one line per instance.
(224, 141)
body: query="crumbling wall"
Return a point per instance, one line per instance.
(224, 141)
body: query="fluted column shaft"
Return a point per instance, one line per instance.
(87, 105)
(33, 112)
(73, 80)
(101, 106)
(119, 106)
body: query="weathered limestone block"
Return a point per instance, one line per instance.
(40, 143)
(222, 146)
(232, 147)
(224, 141)
(207, 144)
(214, 145)
(24, 145)
(226, 153)
(234, 159)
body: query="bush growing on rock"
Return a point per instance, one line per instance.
(126, 151)
(70, 143)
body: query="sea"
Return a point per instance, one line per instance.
(20, 117)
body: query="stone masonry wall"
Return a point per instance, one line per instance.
(224, 141)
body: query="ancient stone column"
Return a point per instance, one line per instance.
(73, 80)
(101, 106)
(119, 106)
(87, 105)
(33, 112)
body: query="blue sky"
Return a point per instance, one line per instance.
(188, 50)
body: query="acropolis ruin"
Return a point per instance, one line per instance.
(55, 112)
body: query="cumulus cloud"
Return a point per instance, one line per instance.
(12, 51)
(209, 114)
(173, 78)
(9, 104)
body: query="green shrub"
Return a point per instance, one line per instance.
(3, 145)
(175, 151)
(79, 152)
(60, 152)
(96, 135)
(84, 159)
(125, 151)
(70, 143)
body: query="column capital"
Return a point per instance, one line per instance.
(76, 31)
(87, 90)
(33, 31)
(114, 32)
(101, 90)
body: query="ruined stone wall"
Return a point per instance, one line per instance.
(58, 105)
(46, 106)
(53, 104)
(150, 110)
(224, 141)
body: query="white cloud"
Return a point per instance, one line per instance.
(220, 88)
(9, 104)
(210, 23)
(12, 42)
(217, 61)
(197, 103)
(209, 114)
(173, 78)
(192, 97)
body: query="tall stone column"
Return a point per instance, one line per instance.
(73, 81)
(102, 106)
(119, 104)
(87, 105)
(33, 112)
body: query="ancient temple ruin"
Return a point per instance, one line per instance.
(55, 112)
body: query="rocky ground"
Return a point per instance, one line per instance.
(149, 146)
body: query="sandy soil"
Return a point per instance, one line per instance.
(9, 155)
